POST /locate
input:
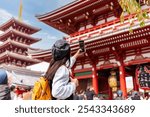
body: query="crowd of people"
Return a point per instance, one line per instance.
(15, 92)
(21, 93)
(84, 95)
(9, 91)
(132, 95)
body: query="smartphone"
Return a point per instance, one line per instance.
(82, 45)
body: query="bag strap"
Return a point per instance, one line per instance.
(44, 90)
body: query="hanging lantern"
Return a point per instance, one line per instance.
(143, 76)
(112, 81)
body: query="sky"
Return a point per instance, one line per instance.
(10, 8)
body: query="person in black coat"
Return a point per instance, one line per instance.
(89, 94)
(4, 88)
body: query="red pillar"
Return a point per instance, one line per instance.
(122, 80)
(135, 85)
(110, 93)
(95, 79)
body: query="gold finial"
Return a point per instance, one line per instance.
(20, 11)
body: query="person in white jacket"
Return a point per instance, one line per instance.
(62, 85)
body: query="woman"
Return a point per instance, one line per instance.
(62, 85)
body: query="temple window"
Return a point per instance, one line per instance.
(24, 53)
(29, 41)
(9, 62)
(10, 27)
(22, 29)
(18, 27)
(15, 50)
(14, 62)
(19, 63)
(89, 26)
(14, 25)
(111, 18)
(21, 40)
(25, 30)
(9, 38)
(17, 38)
(5, 40)
(81, 28)
(24, 41)
(5, 60)
(100, 22)
(7, 49)
(24, 64)
(20, 51)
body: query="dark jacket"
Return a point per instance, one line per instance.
(4, 92)
(89, 94)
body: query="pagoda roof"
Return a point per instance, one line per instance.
(34, 51)
(13, 21)
(15, 43)
(21, 70)
(11, 32)
(29, 77)
(76, 12)
(18, 56)
(43, 55)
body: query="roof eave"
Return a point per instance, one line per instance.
(38, 16)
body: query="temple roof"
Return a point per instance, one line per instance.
(75, 2)
(15, 43)
(18, 56)
(21, 70)
(27, 76)
(43, 55)
(102, 39)
(69, 16)
(34, 51)
(15, 22)
(13, 32)
(102, 44)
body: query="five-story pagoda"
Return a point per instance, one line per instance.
(16, 40)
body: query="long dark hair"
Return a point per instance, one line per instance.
(55, 64)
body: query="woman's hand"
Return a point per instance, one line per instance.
(75, 81)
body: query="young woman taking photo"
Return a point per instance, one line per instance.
(62, 84)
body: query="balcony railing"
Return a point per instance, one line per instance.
(107, 29)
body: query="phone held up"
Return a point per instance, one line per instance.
(82, 45)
